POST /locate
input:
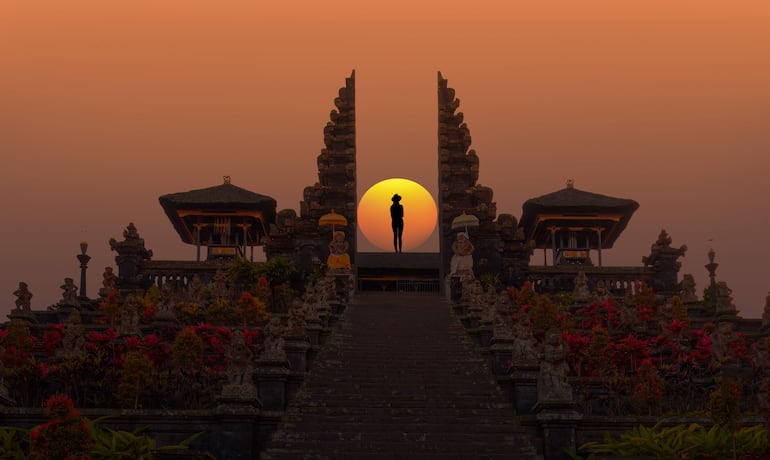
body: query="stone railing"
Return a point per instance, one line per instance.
(179, 272)
(553, 279)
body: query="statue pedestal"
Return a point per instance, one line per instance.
(24, 315)
(313, 329)
(500, 349)
(296, 348)
(239, 395)
(272, 375)
(558, 422)
(524, 379)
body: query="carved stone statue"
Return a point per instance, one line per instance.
(297, 323)
(338, 252)
(601, 293)
(109, 280)
(724, 300)
(687, 289)
(239, 371)
(273, 347)
(552, 384)
(580, 292)
(721, 339)
(74, 341)
(219, 287)
(462, 260)
(523, 352)
(240, 366)
(23, 297)
(129, 317)
(166, 303)
(196, 289)
(70, 292)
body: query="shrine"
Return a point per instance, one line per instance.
(572, 223)
(225, 219)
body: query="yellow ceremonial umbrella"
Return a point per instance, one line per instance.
(332, 219)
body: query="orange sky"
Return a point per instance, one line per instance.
(104, 106)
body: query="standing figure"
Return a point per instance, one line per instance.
(397, 221)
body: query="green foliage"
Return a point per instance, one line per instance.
(251, 311)
(489, 279)
(13, 443)
(112, 444)
(245, 274)
(680, 442)
(544, 312)
(187, 349)
(137, 379)
(724, 404)
(221, 312)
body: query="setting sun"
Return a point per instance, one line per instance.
(419, 213)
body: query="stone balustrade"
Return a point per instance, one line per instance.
(561, 278)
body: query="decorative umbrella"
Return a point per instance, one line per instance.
(333, 219)
(465, 221)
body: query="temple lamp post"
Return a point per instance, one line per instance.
(712, 268)
(83, 258)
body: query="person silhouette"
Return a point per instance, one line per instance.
(397, 221)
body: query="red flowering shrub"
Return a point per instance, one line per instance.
(648, 389)
(65, 437)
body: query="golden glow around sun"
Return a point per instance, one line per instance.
(420, 213)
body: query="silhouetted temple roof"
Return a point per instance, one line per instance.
(570, 207)
(225, 201)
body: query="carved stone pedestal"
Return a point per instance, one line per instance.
(313, 330)
(239, 395)
(524, 379)
(558, 423)
(297, 348)
(500, 351)
(272, 376)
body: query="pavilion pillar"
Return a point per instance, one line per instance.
(599, 244)
(197, 242)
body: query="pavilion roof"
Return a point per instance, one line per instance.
(221, 200)
(570, 207)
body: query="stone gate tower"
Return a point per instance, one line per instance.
(458, 171)
(300, 238)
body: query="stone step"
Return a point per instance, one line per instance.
(399, 379)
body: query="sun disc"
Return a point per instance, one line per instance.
(420, 213)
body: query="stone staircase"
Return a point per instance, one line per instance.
(399, 379)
